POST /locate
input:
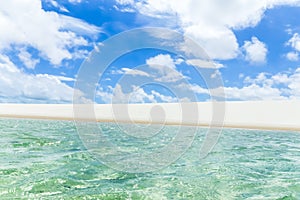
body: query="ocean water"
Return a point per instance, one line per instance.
(42, 159)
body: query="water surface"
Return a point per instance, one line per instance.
(46, 159)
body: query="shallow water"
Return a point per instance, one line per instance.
(46, 159)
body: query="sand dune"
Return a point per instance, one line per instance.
(281, 115)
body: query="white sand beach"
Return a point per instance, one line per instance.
(281, 115)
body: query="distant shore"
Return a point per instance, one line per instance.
(269, 115)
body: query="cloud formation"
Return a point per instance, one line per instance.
(255, 51)
(52, 34)
(284, 85)
(210, 22)
(27, 59)
(20, 87)
(279, 86)
(294, 43)
(136, 95)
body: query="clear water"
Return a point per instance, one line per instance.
(42, 159)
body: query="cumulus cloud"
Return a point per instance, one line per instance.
(197, 89)
(285, 85)
(17, 86)
(210, 22)
(279, 86)
(293, 84)
(133, 72)
(125, 2)
(165, 67)
(212, 40)
(117, 95)
(253, 92)
(265, 86)
(104, 96)
(52, 34)
(27, 59)
(164, 98)
(161, 60)
(292, 56)
(136, 95)
(57, 5)
(78, 26)
(159, 69)
(255, 51)
(294, 43)
(204, 64)
(75, 1)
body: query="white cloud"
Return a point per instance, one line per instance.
(105, 96)
(265, 86)
(210, 22)
(57, 5)
(21, 87)
(212, 39)
(125, 2)
(294, 42)
(178, 61)
(128, 10)
(256, 51)
(124, 5)
(216, 74)
(136, 95)
(133, 72)
(294, 85)
(292, 56)
(80, 54)
(280, 86)
(161, 60)
(78, 26)
(62, 78)
(27, 60)
(289, 30)
(164, 98)
(285, 85)
(261, 78)
(159, 69)
(75, 1)
(193, 88)
(204, 64)
(26, 23)
(253, 92)
(116, 95)
(280, 79)
(166, 68)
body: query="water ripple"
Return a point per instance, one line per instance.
(45, 159)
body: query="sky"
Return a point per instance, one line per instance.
(253, 48)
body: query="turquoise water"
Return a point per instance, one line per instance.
(42, 159)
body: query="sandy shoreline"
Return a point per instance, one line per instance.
(269, 115)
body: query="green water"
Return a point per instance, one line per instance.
(46, 160)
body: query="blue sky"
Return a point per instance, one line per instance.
(254, 46)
